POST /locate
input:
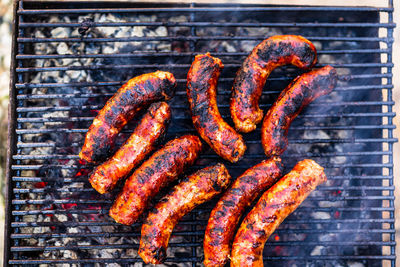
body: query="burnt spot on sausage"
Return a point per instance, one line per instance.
(273, 51)
(282, 205)
(270, 219)
(159, 253)
(249, 226)
(229, 203)
(256, 245)
(261, 233)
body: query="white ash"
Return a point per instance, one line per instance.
(355, 264)
(321, 215)
(317, 251)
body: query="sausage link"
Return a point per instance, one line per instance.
(158, 171)
(121, 108)
(184, 197)
(226, 214)
(272, 208)
(150, 129)
(301, 92)
(201, 89)
(271, 53)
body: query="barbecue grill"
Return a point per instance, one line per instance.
(69, 58)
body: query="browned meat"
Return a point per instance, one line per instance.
(226, 214)
(121, 108)
(151, 127)
(301, 92)
(270, 211)
(158, 171)
(202, 82)
(191, 192)
(250, 79)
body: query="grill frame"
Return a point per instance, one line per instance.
(17, 71)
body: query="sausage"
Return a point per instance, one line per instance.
(121, 108)
(301, 92)
(272, 208)
(225, 216)
(201, 90)
(158, 171)
(247, 87)
(194, 190)
(150, 129)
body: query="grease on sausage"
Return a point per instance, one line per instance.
(202, 82)
(301, 92)
(271, 209)
(194, 190)
(250, 79)
(226, 214)
(158, 171)
(121, 108)
(150, 129)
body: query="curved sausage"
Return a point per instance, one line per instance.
(272, 208)
(301, 92)
(271, 53)
(202, 94)
(184, 197)
(151, 127)
(158, 171)
(226, 214)
(121, 108)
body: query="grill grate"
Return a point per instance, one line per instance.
(69, 58)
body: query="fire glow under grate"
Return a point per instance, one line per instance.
(69, 58)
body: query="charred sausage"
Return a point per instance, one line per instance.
(158, 171)
(184, 197)
(202, 82)
(151, 127)
(121, 108)
(272, 208)
(225, 216)
(250, 79)
(301, 92)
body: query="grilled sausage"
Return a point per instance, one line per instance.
(122, 107)
(250, 79)
(272, 208)
(151, 127)
(158, 171)
(191, 192)
(201, 90)
(226, 214)
(301, 92)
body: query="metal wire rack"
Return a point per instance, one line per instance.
(68, 58)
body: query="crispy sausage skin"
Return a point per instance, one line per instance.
(271, 53)
(272, 208)
(226, 214)
(121, 108)
(301, 92)
(155, 173)
(194, 190)
(151, 127)
(201, 90)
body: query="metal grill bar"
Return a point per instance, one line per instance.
(289, 220)
(185, 54)
(193, 38)
(199, 233)
(200, 9)
(209, 24)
